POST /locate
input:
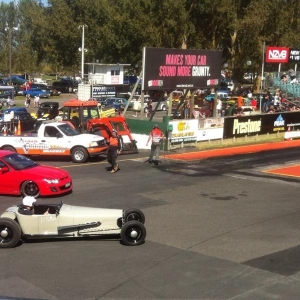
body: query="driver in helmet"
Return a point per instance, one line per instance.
(27, 206)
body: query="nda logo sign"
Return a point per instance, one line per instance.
(277, 54)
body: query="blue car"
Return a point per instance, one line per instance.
(36, 92)
(118, 103)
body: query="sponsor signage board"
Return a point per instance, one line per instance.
(294, 55)
(258, 124)
(277, 54)
(184, 130)
(172, 69)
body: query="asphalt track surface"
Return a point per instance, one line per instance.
(218, 227)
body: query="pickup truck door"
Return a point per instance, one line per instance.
(54, 143)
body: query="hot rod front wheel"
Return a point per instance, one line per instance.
(133, 233)
(10, 233)
(134, 215)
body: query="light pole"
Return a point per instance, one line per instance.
(10, 30)
(82, 49)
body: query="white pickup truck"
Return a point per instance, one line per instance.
(56, 139)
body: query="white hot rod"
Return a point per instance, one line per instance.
(67, 221)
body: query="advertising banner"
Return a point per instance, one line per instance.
(184, 130)
(259, 124)
(171, 69)
(294, 55)
(277, 54)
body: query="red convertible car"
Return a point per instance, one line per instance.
(19, 175)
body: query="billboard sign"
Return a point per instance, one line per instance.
(294, 55)
(171, 69)
(277, 54)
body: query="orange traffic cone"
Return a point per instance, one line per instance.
(19, 128)
(4, 131)
(16, 131)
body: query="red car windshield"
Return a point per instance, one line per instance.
(19, 162)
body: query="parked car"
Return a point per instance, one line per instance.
(68, 221)
(36, 92)
(117, 103)
(43, 87)
(22, 176)
(47, 111)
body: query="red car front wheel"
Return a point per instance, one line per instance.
(30, 188)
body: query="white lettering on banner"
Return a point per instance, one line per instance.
(246, 127)
(276, 54)
(200, 71)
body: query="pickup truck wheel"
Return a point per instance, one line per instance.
(164, 108)
(79, 155)
(30, 188)
(10, 233)
(133, 233)
(10, 148)
(134, 215)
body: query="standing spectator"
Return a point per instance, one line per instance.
(136, 107)
(240, 101)
(157, 136)
(36, 101)
(249, 97)
(219, 107)
(149, 109)
(187, 109)
(114, 149)
(265, 101)
(27, 101)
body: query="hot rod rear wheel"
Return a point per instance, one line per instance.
(79, 155)
(10, 233)
(133, 233)
(134, 215)
(30, 188)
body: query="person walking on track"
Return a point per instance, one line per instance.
(157, 136)
(114, 149)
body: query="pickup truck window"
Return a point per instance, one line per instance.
(68, 130)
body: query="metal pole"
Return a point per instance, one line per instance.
(262, 74)
(82, 54)
(82, 51)
(9, 40)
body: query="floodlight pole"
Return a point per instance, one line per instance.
(82, 49)
(10, 30)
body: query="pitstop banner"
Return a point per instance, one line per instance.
(171, 69)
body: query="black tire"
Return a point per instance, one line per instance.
(133, 233)
(164, 108)
(134, 215)
(79, 155)
(30, 188)
(10, 148)
(10, 233)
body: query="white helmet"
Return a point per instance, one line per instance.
(28, 200)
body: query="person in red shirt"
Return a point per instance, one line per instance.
(157, 136)
(114, 148)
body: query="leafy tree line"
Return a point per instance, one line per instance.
(48, 36)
